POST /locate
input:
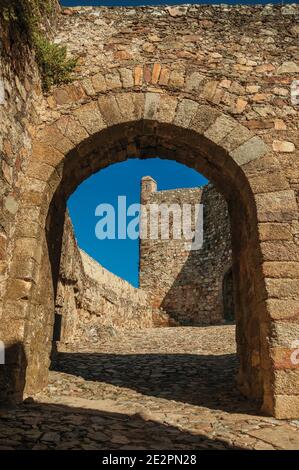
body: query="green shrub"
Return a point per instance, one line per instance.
(25, 17)
(55, 67)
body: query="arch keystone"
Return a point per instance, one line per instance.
(167, 108)
(127, 106)
(151, 105)
(185, 111)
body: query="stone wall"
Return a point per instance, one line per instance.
(187, 284)
(92, 302)
(19, 92)
(20, 99)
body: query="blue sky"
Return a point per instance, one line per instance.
(161, 2)
(121, 179)
(169, 2)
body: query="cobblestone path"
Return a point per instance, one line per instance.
(168, 388)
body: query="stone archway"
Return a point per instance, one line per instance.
(141, 124)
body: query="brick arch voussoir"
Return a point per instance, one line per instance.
(193, 122)
(69, 131)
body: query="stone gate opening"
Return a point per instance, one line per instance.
(143, 138)
(138, 124)
(179, 283)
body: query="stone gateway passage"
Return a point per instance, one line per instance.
(211, 87)
(153, 389)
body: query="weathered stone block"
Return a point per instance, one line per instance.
(126, 106)
(283, 288)
(250, 150)
(71, 129)
(288, 67)
(282, 309)
(126, 77)
(19, 289)
(193, 81)
(29, 222)
(109, 110)
(220, 128)
(138, 75)
(210, 90)
(205, 116)
(265, 182)
(286, 334)
(113, 81)
(164, 76)
(238, 136)
(52, 136)
(177, 78)
(13, 332)
(287, 382)
(151, 105)
(283, 146)
(138, 100)
(185, 111)
(283, 269)
(287, 407)
(279, 206)
(40, 171)
(156, 73)
(69, 94)
(90, 117)
(278, 250)
(26, 269)
(167, 108)
(47, 154)
(36, 190)
(99, 83)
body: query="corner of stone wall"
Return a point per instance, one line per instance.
(20, 96)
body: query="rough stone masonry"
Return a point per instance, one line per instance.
(187, 284)
(207, 86)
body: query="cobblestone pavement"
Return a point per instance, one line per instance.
(168, 388)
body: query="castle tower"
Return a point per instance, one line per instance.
(148, 186)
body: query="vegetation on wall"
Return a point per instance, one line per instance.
(54, 65)
(25, 19)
